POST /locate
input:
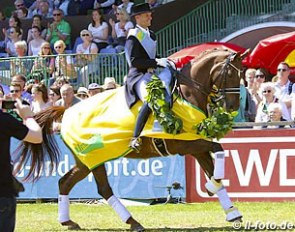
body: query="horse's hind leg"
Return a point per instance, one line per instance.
(106, 192)
(66, 183)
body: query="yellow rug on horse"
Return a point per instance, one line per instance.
(99, 129)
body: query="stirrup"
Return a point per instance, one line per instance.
(135, 144)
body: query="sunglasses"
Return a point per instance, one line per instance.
(52, 94)
(259, 76)
(19, 5)
(46, 47)
(281, 70)
(267, 91)
(11, 32)
(14, 91)
(57, 47)
(83, 35)
(56, 14)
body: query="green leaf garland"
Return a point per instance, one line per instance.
(156, 100)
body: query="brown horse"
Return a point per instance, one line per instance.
(220, 68)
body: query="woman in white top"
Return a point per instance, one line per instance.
(14, 37)
(40, 98)
(99, 29)
(86, 52)
(36, 42)
(267, 91)
(120, 29)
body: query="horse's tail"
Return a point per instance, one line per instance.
(40, 153)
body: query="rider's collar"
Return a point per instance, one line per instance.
(144, 30)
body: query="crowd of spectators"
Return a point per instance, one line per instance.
(267, 100)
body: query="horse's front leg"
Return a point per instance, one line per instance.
(106, 192)
(66, 183)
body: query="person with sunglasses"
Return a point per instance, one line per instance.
(86, 53)
(59, 29)
(16, 94)
(267, 90)
(28, 131)
(283, 86)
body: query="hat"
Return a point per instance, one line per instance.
(93, 86)
(140, 9)
(110, 83)
(82, 90)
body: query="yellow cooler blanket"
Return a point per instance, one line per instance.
(99, 129)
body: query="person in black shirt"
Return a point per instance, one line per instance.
(28, 131)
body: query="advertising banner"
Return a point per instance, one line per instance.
(259, 166)
(129, 178)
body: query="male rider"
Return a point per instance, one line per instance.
(140, 51)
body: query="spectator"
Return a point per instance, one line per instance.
(99, 29)
(284, 87)
(63, 63)
(21, 80)
(54, 94)
(275, 115)
(36, 42)
(13, 22)
(20, 65)
(126, 4)
(68, 97)
(59, 30)
(19, 4)
(37, 21)
(105, 5)
(153, 3)
(250, 78)
(15, 94)
(94, 89)
(60, 81)
(110, 83)
(268, 96)
(120, 29)
(22, 13)
(86, 51)
(45, 60)
(14, 37)
(40, 98)
(30, 132)
(82, 93)
(42, 8)
(260, 77)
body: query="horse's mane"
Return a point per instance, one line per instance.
(208, 52)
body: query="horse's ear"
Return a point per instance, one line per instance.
(245, 53)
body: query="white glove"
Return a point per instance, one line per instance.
(163, 62)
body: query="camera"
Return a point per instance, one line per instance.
(8, 104)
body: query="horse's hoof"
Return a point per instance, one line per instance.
(137, 227)
(233, 215)
(71, 225)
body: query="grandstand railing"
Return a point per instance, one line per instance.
(216, 19)
(80, 73)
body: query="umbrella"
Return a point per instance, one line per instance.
(269, 52)
(185, 55)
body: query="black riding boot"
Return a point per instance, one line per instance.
(142, 117)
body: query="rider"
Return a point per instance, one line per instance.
(140, 52)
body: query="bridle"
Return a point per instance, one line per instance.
(222, 76)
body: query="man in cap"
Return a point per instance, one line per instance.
(94, 88)
(140, 50)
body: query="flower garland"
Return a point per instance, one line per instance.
(156, 100)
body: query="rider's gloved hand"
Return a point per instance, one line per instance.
(163, 62)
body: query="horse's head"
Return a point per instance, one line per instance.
(215, 71)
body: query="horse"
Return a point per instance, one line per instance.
(211, 71)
